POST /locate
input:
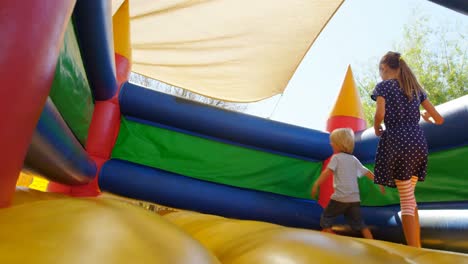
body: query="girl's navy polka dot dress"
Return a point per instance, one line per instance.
(402, 149)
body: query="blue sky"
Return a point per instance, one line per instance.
(359, 34)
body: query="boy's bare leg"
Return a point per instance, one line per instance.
(366, 233)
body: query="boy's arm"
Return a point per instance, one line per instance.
(371, 176)
(323, 176)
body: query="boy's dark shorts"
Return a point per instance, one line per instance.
(351, 211)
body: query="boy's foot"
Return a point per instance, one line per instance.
(328, 230)
(366, 233)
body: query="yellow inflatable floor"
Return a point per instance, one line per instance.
(50, 228)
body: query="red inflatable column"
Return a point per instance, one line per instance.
(105, 124)
(101, 138)
(347, 112)
(30, 39)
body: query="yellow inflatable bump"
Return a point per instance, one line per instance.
(25, 195)
(71, 230)
(348, 102)
(236, 241)
(416, 255)
(52, 228)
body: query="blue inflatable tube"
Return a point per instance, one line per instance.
(453, 133)
(93, 22)
(149, 184)
(195, 118)
(444, 225)
(56, 154)
(456, 5)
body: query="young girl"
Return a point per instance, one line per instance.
(401, 158)
(345, 199)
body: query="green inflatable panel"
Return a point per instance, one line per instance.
(242, 167)
(70, 90)
(214, 161)
(446, 180)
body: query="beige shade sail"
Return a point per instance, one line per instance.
(233, 50)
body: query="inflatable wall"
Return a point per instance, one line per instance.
(71, 117)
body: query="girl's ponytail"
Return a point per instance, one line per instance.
(408, 82)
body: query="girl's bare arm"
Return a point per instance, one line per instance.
(431, 115)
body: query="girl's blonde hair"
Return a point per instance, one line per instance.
(408, 82)
(343, 139)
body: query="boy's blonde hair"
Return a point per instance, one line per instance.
(343, 139)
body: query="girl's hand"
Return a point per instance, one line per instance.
(382, 189)
(378, 130)
(427, 117)
(431, 114)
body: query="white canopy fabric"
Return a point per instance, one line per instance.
(233, 50)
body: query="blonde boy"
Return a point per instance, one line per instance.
(346, 169)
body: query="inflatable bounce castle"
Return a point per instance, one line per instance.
(236, 187)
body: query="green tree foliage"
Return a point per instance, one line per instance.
(438, 57)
